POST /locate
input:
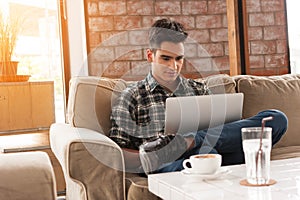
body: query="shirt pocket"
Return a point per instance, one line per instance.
(151, 117)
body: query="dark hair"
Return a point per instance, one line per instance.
(166, 30)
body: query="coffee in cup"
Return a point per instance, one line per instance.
(203, 163)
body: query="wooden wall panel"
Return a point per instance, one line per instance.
(26, 105)
(42, 104)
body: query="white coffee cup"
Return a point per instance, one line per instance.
(203, 163)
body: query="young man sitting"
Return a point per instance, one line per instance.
(138, 116)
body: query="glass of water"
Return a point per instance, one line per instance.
(257, 150)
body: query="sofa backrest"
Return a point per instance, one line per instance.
(90, 99)
(273, 92)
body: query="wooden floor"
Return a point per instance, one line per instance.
(33, 141)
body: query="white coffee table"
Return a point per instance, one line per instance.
(179, 186)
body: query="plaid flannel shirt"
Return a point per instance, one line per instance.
(139, 113)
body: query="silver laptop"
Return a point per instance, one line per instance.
(192, 113)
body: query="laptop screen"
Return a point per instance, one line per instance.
(192, 113)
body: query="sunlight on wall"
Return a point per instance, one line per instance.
(293, 16)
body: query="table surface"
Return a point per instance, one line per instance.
(180, 186)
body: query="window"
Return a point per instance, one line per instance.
(38, 47)
(293, 15)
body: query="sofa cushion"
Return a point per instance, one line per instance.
(285, 152)
(90, 100)
(138, 189)
(274, 92)
(220, 83)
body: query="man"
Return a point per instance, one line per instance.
(138, 115)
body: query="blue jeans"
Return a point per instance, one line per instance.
(227, 139)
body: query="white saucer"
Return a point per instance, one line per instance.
(221, 172)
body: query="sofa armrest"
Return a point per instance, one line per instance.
(27, 175)
(90, 160)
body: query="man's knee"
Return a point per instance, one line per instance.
(280, 120)
(279, 124)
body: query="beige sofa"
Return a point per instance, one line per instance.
(26, 176)
(93, 164)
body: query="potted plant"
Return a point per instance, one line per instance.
(9, 31)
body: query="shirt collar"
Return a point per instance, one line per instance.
(152, 83)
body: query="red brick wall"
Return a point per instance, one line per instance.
(267, 34)
(117, 35)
